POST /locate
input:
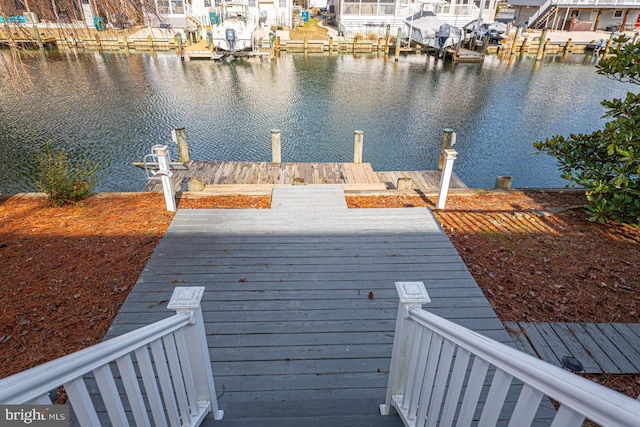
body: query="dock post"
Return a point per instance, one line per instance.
(179, 43)
(514, 45)
(386, 39)
(568, 45)
(36, 32)
(448, 139)
(541, 46)
(272, 45)
(276, 154)
(524, 46)
(183, 148)
(398, 43)
(330, 44)
(606, 49)
(635, 38)
(358, 137)
(445, 178)
(162, 154)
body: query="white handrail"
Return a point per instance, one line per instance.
(180, 356)
(423, 353)
(30, 384)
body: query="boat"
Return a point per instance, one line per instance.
(233, 26)
(425, 28)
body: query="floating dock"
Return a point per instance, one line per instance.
(215, 177)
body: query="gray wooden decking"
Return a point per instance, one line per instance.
(229, 177)
(300, 302)
(612, 348)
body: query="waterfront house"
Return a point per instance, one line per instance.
(373, 16)
(200, 13)
(578, 15)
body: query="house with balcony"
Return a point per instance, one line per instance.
(373, 16)
(578, 15)
(199, 13)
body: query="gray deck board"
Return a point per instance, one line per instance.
(600, 347)
(288, 312)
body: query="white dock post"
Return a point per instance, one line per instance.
(162, 153)
(358, 137)
(449, 156)
(276, 152)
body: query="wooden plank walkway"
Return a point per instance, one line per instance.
(611, 348)
(260, 177)
(300, 307)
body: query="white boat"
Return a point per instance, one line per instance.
(233, 27)
(425, 28)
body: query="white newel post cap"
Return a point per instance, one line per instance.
(450, 154)
(412, 294)
(161, 150)
(186, 300)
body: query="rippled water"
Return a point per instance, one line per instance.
(113, 109)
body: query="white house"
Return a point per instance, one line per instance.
(373, 16)
(198, 13)
(578, 15)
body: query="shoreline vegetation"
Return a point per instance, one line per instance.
(67, 270)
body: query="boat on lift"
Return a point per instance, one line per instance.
(233, 26)
(425, 28)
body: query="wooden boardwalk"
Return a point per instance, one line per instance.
(611, 348)
(300, 302)
(260, 177)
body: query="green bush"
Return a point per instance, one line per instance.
(64, 181)
(607, 162)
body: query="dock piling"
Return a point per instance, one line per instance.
(398, 43)
(181, 140)
(448, 139)
(514, 45)
(358, 137)
(541, 45)
(276, 153)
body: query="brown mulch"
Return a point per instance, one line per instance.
(65, 272)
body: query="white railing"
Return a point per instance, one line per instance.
(430, 382)
(179, 391)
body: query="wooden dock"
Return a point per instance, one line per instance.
(260, 177)
(300, 302)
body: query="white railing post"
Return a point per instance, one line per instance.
(445, 178)
(162, 154)
(411, 294)
(187, 300)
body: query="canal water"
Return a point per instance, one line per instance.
(112, 109)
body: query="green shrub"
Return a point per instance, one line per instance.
(62, 180)
(607, 162)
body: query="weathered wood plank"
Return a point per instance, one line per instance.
(575, 348)
(519, 338)
(539, 344)
(625, 329)
(613, 353)
(611, 333)
(585, 339)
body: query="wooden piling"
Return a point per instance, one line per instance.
(448, 139)
(503, 183)
(568, 45)
(635, 38)
(514, 45)
(398, 43)
(358, 137)
(541, 45)
(609, 43)
(183, 146)
(276, 153)
(330, 44)
(36, 32)
(404, 184)
(524, 46)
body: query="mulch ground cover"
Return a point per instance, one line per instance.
(65, 272)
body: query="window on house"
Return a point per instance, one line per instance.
(617, 14)
(207, 3)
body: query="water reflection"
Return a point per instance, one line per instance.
(113, 108)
